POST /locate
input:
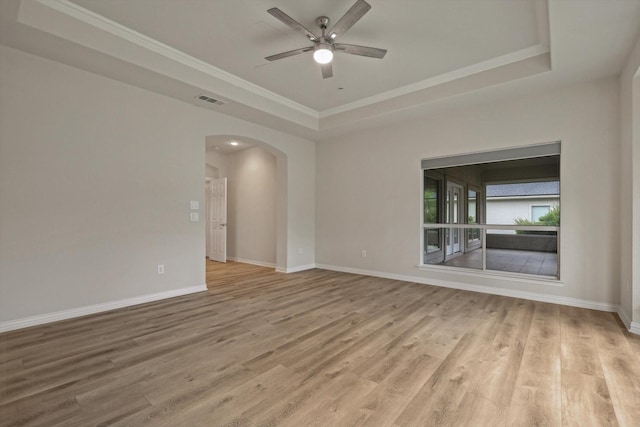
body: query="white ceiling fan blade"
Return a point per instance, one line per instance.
(289, 53)
(286, 19)
(327, 70)
(352, 16)
(371, 52)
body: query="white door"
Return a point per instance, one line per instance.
(454, 216)
(217, 224)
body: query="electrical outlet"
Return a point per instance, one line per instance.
(364, 253)
(160, 268)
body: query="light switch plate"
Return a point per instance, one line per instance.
(195, 205)
(194, 217)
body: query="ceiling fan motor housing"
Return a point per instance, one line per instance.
(323, 22)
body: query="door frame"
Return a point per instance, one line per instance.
(454, 214)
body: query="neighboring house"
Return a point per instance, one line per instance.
(528, 200)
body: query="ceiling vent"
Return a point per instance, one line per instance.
(210, 100)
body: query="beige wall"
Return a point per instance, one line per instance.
(218, 161)
(369, 187)
(251, 214)
(95, 182)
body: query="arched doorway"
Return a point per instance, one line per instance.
(256, 197)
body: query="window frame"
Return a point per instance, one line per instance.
(476, 242)
(436, 253)
(439, 165)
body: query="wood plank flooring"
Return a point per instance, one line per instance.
(321, 348)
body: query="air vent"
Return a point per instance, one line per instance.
(209, 99)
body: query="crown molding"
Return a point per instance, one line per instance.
(100, 22)
(87, 28)
(510, 58)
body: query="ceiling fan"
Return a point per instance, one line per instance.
(324, 46)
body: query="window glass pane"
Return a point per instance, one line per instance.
(514, 194)
(525, 253)
(521, 203)
(432, 240)
(538, 211)
(472, 209)
(452, 255)
(431, 194)
(432, 236)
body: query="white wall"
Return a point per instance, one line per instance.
(251, 206)
(369, 187)
(630, 189)
(218, 161)
(95, 182)
(210, 171)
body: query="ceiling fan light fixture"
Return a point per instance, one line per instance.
(323, 53)
(324, 45)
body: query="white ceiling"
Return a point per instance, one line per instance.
(440, 52)
(424, 39)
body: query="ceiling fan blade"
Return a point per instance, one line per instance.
(286, 19)
(289, 53)
(352, 16)
(371, 52)
(327, 70)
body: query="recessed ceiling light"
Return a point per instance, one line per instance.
(234, 143)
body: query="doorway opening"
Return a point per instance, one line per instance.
(244, 185)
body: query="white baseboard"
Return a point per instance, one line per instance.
(533, 296)
(624, 317)
(252, 262)
(296, 269)
(11, 325)
(633, 327)
(96, 308)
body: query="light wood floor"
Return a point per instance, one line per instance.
(321, 348)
